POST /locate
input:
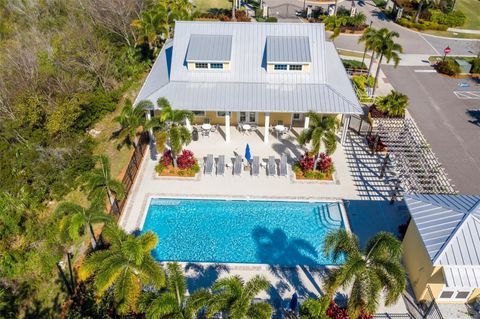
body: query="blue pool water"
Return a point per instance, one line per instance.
(267, 232)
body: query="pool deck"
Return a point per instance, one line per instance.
(285, 281)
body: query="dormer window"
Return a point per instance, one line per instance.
(209, 52)
(288, 53)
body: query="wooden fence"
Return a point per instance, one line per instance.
(131, 173)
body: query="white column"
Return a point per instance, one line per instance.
(267, 126)
(346, 124)
(188, 125)
(227, 127)
(307, 122)
(150, 131)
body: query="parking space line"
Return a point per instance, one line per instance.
(467, 95)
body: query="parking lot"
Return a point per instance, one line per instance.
(446, 110)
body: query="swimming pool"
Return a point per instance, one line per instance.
(235, 231)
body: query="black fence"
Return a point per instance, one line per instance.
(130, 174)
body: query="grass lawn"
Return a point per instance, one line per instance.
(204, 5)
(452, 35)
(352, 53)
(471, 8)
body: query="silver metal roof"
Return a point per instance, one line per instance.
(247, 85)
(463, 277)
(209, 48)
(449, 226)
(287, 49)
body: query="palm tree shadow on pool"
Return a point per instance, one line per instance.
(287, 257)
(200, 276)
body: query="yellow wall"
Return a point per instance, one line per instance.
(416, 260)
(285, 117)
(214, 119)
(274, 118)
(475, 294)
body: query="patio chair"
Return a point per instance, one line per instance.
(221, 165)
(237, 166)
(271, 166)
(256, 166)
(209, 164)
(206, 133)
(253, 127)
(283, 165)
(214, 128)
(240, 127)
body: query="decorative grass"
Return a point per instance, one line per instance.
(204, 5)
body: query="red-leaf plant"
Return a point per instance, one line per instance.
(186, 160)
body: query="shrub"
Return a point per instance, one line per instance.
(392, 105)
(353, 64)
(357, 20)
(271, 19)
(343, 12)
(452, 19)
(475, 66)
(325, 164)
(159, 168)
(447, 67)
(186, 160)
(307, 163)
(166, 159)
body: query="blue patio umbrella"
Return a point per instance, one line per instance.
(294, 302)
(248, 156)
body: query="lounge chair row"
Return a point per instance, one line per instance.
(271, 165)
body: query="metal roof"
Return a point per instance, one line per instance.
(449, 226)
(209, 48)
(247, 85)
(462, 277)
(282, 49)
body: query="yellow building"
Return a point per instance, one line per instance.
(441, 249)
(256, 75)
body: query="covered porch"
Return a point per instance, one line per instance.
(265, 125)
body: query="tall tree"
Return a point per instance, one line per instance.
(321, 130)
(369, 273)
(368, 37)
(385, 46)
(169, 129)
(235, 297)
(125, 266)
(131, 120)
(174, 303)
(75, 218)
(99, 182)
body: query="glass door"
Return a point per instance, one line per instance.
(247, 117)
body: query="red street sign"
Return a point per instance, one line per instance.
(447, 50)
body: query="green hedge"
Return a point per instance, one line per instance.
(447, 67)
(452, 19)
(422, 25)
(354, 64)
(475, 66)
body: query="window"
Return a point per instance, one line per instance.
(280, 67)
(446, 294)
(295, 67)
(201, 65)
(462, 295)
(221, 114)
(198, 113)
(216, 65)
(296, 116)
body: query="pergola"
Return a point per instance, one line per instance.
(411, 160)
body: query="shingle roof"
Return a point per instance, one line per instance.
(247, 85)
(287, 49)
(209, 48)
(449, 226)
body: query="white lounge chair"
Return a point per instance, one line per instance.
(271, 166)
(221, 165)
(209, 164)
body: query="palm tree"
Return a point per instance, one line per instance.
(313, 308)
(368, 36)
(370, 272)
(335, 23)
(421, 3)
(153, 27)
(75, 218)
(125, 266)
(321, 130)
(169, 128)
(384, 45)
(99, 182)
(174, 303)
(394, 104)
(131, 119)
(233, 296)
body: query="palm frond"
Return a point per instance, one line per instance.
(261, 310)
(340, 242)
(163, 306)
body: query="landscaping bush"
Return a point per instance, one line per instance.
(271, 19)
(166, 159)
(447, 67)
(325, 164)
(392, 105)
(307, 163)
(354, 64)
(186, 160)
(475, 66)
(380, 3)
(452, 19)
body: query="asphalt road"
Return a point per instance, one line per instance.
(412, 42)
(452, 132)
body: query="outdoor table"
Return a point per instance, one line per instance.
(206, 126)
(279, 129)
(246, 127)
